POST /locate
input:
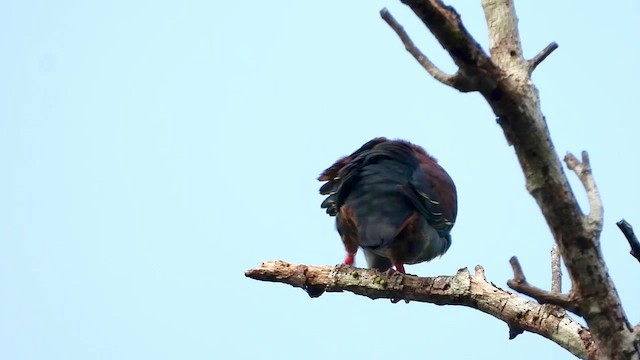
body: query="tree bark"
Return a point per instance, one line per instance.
(464, 288)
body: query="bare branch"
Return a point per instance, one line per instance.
(519, 283)
(432, 69)
(627, 230)
(461, 289)
(556, 271)
(539, 58)
(475, 66)
(583, 170)
(504, 39)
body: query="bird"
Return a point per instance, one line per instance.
(393, 200)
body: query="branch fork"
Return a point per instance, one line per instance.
(519, 283)
(459, 80)
(583, 170)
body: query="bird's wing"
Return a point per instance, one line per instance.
(433, 193)
(342, 170)
(372, 186)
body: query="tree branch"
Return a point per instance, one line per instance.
(502, 22)
(519, 283)
(456, 81)
(627, 230)
(445, 24)
(556, 271)
(539, 58)
(462, 289)
(583, 170)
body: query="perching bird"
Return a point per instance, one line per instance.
(392, 199)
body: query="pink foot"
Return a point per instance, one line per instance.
(350, 259)
(399, 268)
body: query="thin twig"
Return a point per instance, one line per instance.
(627, 230)
(432, 69)
(541, 56)
(556, 271)
(583, 170)
(519, 283)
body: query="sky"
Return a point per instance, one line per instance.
(154, 151)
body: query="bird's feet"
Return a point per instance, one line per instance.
(399, 267)
(350, 259)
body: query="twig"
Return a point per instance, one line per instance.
(627, 230)
(519, 283)
(556, 271)
(476, 71)
(583, 170)
(461, 289)
(541, 56)
(432, 69)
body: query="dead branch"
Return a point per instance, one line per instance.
(464, 288)
(432, 69)
(539, 58)
(585, 174)
(627, 230)
(445, 24)
(519, 283)
(556, 271)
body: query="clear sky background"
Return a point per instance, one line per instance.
(153, 151)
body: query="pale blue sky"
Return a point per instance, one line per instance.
(153, 151)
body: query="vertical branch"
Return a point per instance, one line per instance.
(583, 170)
(501, 20)
(556, 271)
